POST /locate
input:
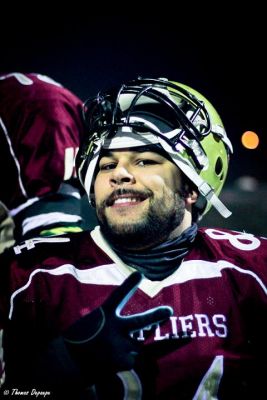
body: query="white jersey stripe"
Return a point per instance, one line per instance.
(196, 269)
(50, 218)
(106, 274)
(112, 274)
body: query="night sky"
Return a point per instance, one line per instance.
(222, 55)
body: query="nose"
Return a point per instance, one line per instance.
(121, 175)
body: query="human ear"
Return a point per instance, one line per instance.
(191, 197)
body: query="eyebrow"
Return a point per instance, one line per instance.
(139, 149)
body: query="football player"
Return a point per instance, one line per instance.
(147, 305)
(40, 130)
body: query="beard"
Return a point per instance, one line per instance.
(163, 216)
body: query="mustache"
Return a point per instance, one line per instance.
(144, 194)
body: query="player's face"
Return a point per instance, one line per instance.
(138, 197)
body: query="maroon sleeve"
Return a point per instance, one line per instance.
(40, 130)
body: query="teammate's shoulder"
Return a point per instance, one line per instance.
(34, 86)
(26, 80)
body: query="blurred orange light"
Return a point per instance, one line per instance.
(250, 140)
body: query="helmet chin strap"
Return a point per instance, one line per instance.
(87, 182)
(126, 138)
(203, 187)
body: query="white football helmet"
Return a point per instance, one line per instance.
(169, 114)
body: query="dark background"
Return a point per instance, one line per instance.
(219, 51)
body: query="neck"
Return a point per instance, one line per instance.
(185, 224)
(159, 262)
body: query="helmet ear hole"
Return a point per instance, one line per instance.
(219, 168)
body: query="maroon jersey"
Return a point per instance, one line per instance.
(40, 129)
(218, 295)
